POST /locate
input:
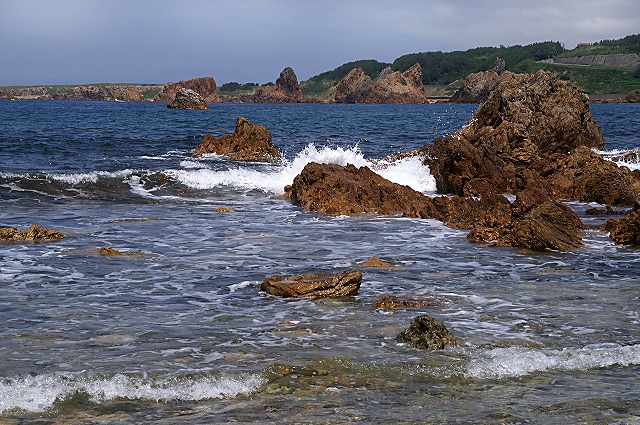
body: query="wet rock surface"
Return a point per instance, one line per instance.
(331, 285)
(249, 142)
(32, 234)
(427, 333)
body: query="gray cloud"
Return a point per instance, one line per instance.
(74, 41)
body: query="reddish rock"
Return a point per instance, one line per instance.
(249, 142)
(32, 234)
(477, 87)
(390, 87)
(625, 230)
(526, 124)
(188, 99)
(127, 94)
(108, 251)
(329, 285)
(377, 263)
(204, 86)
(286, 90)
(346, 190)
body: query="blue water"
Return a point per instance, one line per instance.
(176, 331)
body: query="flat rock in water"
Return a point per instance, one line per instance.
(32, 234)
(427, 333)
(329, 285)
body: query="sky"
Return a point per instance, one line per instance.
(46, 42)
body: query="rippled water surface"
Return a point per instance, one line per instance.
(176, 330)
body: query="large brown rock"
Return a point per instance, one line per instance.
(425, 332)
(286, 90)
(477, 87)
(204, 86)
(249, 142)
(526, 123)
(330, 285)
(346, 190)
(625, 230)
(32, 234)
(390, 87)
(188, 99)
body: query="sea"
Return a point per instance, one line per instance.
(176, 330)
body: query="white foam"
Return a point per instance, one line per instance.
(616, 155)
(500, 363)
(408, 171)
(38, 393)
(92, 177)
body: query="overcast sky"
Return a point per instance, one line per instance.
(155, 41)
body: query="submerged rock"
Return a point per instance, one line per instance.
(390, 302)
(329, 285)
(188, 99)
(108, 251)
(427, 333)
(32, 234)
(249, 142)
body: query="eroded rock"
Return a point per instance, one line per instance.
(204, 86)
(286, 90)
(32, 234)
(331, 285)
(188, 99)
(249, 142)
(390, 87)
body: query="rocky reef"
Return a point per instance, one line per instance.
(326, 285)
(32, 234)
(390, 87)
(187, 99)
(204, 86)
(425, 332)
(249, 142)
(285, 90)
(533, 138)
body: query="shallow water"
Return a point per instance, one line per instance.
(178, 332)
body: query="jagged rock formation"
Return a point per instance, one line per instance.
(514, 136)
(32, 234)
(249, 142)
(626, 60)
(286, 90)
(477, 87)
(390, 87)
(204, 86)
(427, 333)
(331, 285)
(187, 99)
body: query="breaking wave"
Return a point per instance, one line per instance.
(500, 363)
(39, 393)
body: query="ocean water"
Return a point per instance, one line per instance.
(176, 330)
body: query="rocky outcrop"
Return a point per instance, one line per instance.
(32, 234)
(249, 142)
(390, 87)
(204, 86)
(526, 124)
(427, 333)
(477, 87)
(126, 93)
(391, 302)
(331, 285)
(286, 90)
(633, 97)
(625, 230)
(347, 190)
(629, 61)
(188, 99)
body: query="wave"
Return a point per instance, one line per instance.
(408, 171)
(39, 393)
(629, 158)
(500, 363)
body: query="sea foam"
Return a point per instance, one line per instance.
(500, 363)
(408, 171)
(38, 393)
